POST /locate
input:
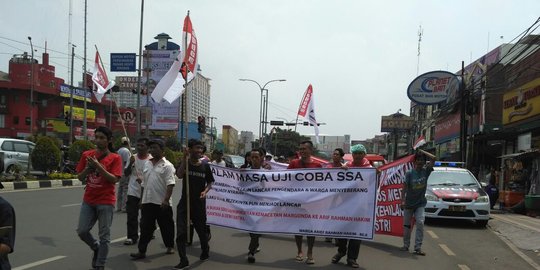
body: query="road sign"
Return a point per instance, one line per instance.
(123, 62)
(396, 122)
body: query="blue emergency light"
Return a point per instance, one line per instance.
(449, 164)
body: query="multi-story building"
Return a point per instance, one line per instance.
(229, 137)
(245, 142)
(327, 143)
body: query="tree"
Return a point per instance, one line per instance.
(281, 142)
(77, 148)
(46, 155)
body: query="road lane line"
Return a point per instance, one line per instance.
(517, 251)
(447, 250)
(118, 240)
(34, 264)
(463, 267)
(432, 234)
(70, 205)
(507, 220)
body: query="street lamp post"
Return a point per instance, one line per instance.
(263, 113)
(31, 86)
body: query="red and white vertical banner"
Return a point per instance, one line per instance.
(389, 214)
(419, 142)
(307, 110)
(99, 77)
(182, 71)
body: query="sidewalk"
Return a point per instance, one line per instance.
(520, 232)
(19, 185)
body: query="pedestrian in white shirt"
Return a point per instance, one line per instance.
(157, 188)
(135, 173)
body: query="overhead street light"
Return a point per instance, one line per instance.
(263, 113)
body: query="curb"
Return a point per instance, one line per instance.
(40, 184)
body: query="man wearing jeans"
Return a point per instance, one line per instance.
(414, 202)
(101, 168)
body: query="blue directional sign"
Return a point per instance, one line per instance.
(123, 62)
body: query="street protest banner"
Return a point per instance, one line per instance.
(321, 202)
(389, 214)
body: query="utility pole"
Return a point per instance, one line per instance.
(31, 87)
(139, 73)
(71, 97)
(463, 119)
(85, 134)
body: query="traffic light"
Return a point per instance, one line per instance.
(306, 123)
(67, 118)
(276, 123)
(201, 124)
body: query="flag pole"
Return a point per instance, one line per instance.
(297, 112)
(115, 104)
(186, 123)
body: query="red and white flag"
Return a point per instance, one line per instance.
(99, 77)
(419, 142)
(307, 110)
(183, 70)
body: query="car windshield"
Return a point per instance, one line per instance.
(451, 178)
(237, 160)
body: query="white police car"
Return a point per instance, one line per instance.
(454, 193)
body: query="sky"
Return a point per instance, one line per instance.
(360, 56)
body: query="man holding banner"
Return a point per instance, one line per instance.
(256, 158)
(305, 149)
(353, 249)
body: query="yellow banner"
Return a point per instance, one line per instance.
(57, 126)
(78, 114)
(522, 103)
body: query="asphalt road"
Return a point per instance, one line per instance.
(46, 239)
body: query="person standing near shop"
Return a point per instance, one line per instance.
(413, 202)
(305, 149)
(7, 232)
(135, 173)
(157, 188)
(200, 180)
(351, 247)
(101, 169)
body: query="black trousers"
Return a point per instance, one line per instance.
(254, 242)
(352, 250)
(132, 209)
(198, 218)
(150, 213)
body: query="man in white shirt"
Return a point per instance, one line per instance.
(157, 188)
(217, 158)
(121, 195)
(135, 173)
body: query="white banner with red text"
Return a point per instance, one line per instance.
(330, 202)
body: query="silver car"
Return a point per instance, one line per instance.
(15, 154)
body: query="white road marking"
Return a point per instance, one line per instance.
(34, 264)
(517, 251)
(463, 267)
(447, 250)
(118, 240)
(432, 234)
(70, 205)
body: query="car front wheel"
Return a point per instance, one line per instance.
(482, 223)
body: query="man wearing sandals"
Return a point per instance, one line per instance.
(414, 201)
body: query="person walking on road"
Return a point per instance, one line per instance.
(121, 195)
(135, 173)
(305, 149)
(351, 247)
(414, 201)
(200, 180)
(7, 232)
(256, 159)
(157, 188)
(100, 168)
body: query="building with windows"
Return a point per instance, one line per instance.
(229, 137)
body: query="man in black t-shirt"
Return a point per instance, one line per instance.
(200, 181)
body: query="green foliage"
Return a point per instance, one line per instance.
(173, 156)
(283, 141)
(46, 155)
(58, 175)
(77, 148)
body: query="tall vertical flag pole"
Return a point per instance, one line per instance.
(85, 134)
(139, 74)
(186, 122)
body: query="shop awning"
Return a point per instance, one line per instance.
(530, 151)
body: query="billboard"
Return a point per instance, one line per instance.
(165, 116)
(123, 62)
(433, 87)
(396, 122)
(78, 93)
(521, 103)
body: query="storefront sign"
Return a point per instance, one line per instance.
(522, 103)
(78, 114)
(396, 122)
(78, 93)
(447, 128)
(433, 87)
(57, 126)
